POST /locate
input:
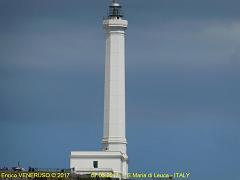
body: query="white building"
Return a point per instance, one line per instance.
(113, 157)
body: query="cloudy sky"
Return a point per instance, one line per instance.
(182, 86)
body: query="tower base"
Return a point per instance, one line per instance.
(104, 164)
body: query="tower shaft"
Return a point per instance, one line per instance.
(114, 138)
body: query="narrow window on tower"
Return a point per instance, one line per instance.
(95, 164)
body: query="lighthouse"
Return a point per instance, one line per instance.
(112, 159)
(114, 138)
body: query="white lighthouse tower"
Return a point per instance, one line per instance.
(114, 103)
(113, 158)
